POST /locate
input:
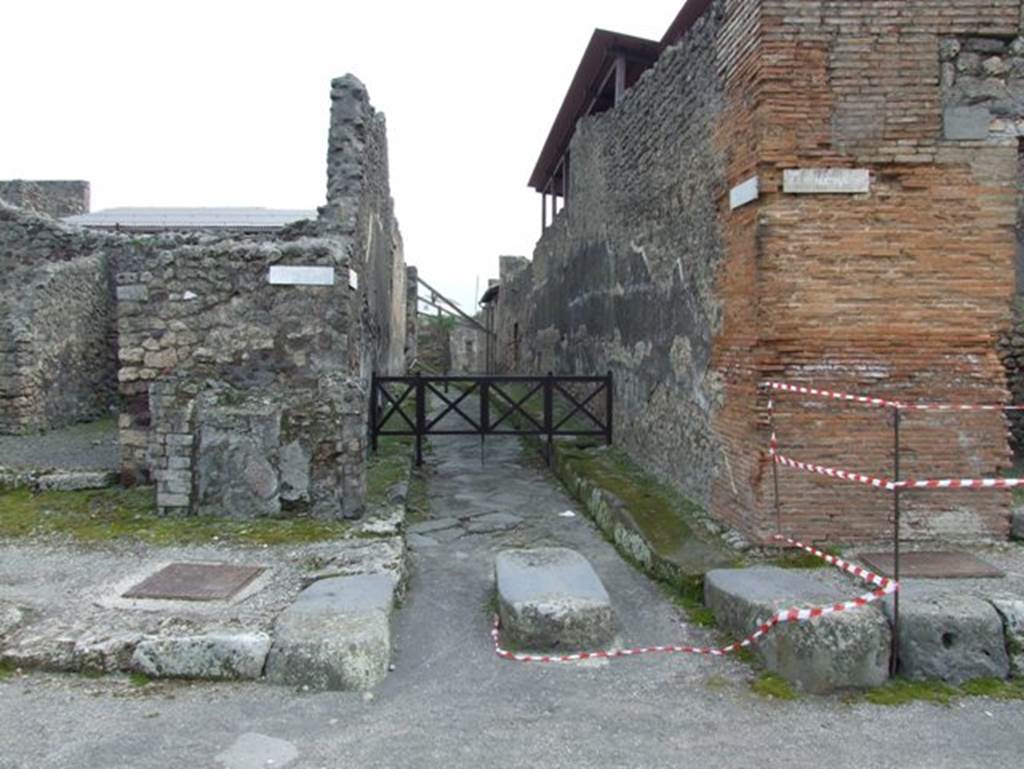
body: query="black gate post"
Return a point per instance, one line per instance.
(373, 412)
(894, 660)
(421, 417)
(608, 393)
(485, 416)
(549, 414)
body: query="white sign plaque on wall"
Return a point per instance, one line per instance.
(353, 279)
(744, 193)
(841, 181)
(292, 275)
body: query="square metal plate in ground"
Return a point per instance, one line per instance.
(195, 582)
(932, 564)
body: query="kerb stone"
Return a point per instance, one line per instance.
(336, 636)
(845, 650)
(948, 636)
(551, 598)
(211, 656)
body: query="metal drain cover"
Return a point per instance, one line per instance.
(932, 564)
(195, 582)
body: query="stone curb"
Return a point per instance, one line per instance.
(56, 479)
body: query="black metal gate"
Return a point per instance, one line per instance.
(546, 406)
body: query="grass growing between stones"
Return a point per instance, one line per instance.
(390, 465)
(417, 501)
(108, 515)
(774, 687)
(900, 691)
(6, 670)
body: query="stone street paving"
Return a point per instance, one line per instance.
(449, 702)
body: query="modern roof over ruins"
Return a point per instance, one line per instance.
(611, 63)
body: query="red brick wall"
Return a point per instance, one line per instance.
(901, 292)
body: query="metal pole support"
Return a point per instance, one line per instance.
(549, 415)
(421, 417)
(894, 658)
(608, 413)
(373, 415)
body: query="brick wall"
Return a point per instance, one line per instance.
(903, 291)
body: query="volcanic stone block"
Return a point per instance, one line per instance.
(949, 636)
(551, 598)
(211, 656)
(1011, 610)
(849, 649)
(336, 636)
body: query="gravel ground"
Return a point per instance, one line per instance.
(90, 446)
(451, 703)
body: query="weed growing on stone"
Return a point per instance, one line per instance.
(108, 515)
(390, 465)
(417, 500)
(138, 679)
(6, 670)
(773, 686)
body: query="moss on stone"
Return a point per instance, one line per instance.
(774, 687)
(900, 691)
(658, 510)
(130, 514)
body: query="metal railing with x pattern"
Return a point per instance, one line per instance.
(547, 406)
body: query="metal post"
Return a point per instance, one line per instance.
(549, 414)
(775, 468)
(421, 418)
(894, 659)
(608, 414)
(485, 418)
(373, 412)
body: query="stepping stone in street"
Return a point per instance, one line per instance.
(551, 598)
(849, 649)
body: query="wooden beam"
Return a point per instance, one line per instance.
(458, 310)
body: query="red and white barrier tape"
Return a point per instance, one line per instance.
(884, 587)
(888, 485)
(832, 472)
(875, 401)
(962, 483)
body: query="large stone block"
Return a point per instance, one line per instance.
(336, 636)
(948, 636)
(837, 651)
(551, 598)
(212, 656)
(1011, 611)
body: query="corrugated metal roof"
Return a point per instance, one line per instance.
(191, 218)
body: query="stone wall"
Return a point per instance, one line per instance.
(208, 311)
(360, 212)
(467, 349)
(691, 303)
(53, 198)
(232, 452)
(57, 324)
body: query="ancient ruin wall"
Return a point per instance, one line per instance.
(625, 278)
(209, 311)
(53, 198)
(57, 324)
(903, 291)
(360, 211)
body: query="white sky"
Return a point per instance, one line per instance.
(220, 103)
